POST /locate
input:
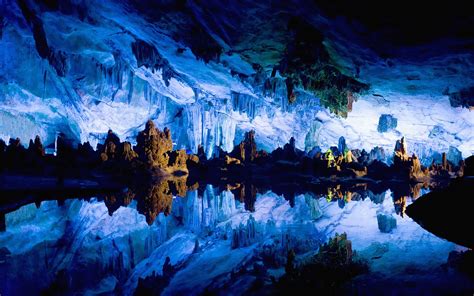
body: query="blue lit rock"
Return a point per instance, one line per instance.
(386, 123)
(386, 223)
(454, 155)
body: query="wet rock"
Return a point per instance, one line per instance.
(15, 155)
(311, 69)
(405, 165)
(230, 160)
(401, 148)
(462, 261)
(436, 132)
(201, 154)
(315, 151)
(3, 225)
(109, 151)
(386, 223)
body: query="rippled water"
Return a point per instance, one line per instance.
(106, 245)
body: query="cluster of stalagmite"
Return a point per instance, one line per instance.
(154, 153)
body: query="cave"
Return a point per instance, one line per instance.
(206, 147)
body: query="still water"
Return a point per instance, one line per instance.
(215, 242)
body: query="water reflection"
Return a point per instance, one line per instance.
(156, 196)
(204, 237)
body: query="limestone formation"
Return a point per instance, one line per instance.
(246, 151)
(36, 148)
(406, 164)
(177, 161)
(153, 146)
(127, 152)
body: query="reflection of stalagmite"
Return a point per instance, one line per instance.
(114, 201)
(416, 190)
(244, 235)
(157, 199)
(246, 193)
(156, 196)
(444, 161)
(178, 186)
(400, 205)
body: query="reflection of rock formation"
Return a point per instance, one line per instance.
(156, 197)
(155, 283)
(115, 201)
(400, 205)
(415, 190)
(244, 235)
(247, 194)
(334, 264)
(386, 223)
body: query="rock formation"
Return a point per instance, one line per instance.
(246, 151)
(36, 148)
(153, 146)
(408, 166)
